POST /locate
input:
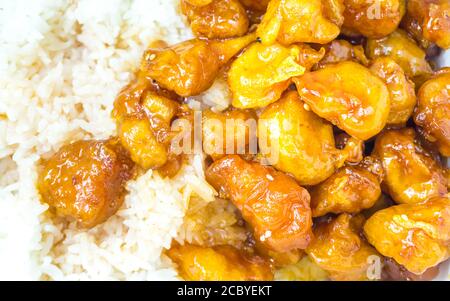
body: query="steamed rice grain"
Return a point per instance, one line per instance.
(61, 65)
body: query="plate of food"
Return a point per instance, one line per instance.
(224, 140)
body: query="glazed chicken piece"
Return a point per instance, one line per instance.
(295, 140)
(392, 271)
(333, 10)
(340, 51)
(259, 5)
(220, 263)
(272, 203)
(230, 132)
(429, 21)
(351, 189)
(352, 148)
(294, 21)
(255, 10)
(144, 119)
(384, 201)
(128, 102)
(432, 113)
(262, 73)
(85, 180)
(373, 19)
(191, 67)
(218, 20)
(404, 51)
(348, 95)
(137, 137)
(309, 56)
(414, 30)
(148, 139)
(401, 89)
(280, 259)
(199, 2)
(411, 173)
(339, 249)
(416, 236)
(373, 165)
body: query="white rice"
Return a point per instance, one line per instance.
(61, 65)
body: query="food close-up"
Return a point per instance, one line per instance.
(225, 140)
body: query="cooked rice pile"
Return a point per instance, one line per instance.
(62, 64)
